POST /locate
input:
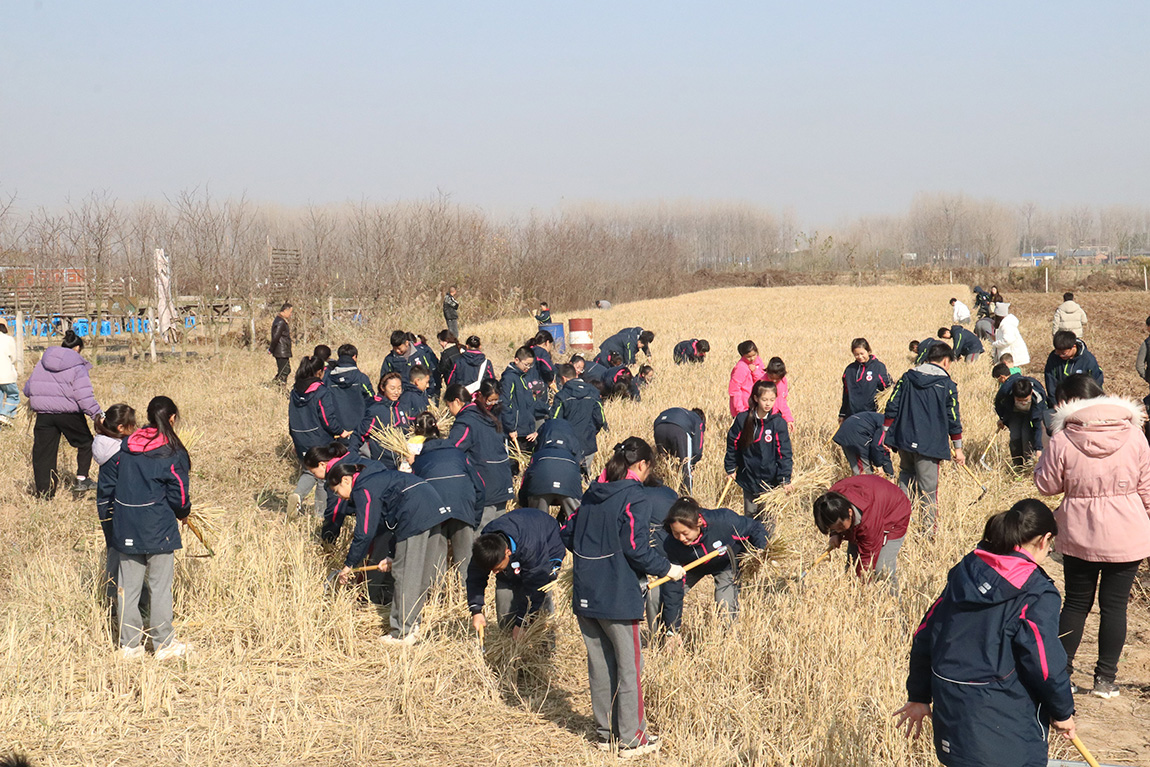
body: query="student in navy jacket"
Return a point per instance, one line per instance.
(471, 367)
(860, 437)
(921, 414)
(476, 433)
(541, 346)
(382, 411)
(609, 540)
(552, 479)
(966, 344)
(414, 399)
(579, 403)
(920, 349)
(1070, 357)
(592, 369)
(408, 506)
(987, 656)
(397, 360)
(694, 532)
(555, 432)
(142, 494)
(524, 550)
(518, 401)
(421, 354)
(1023, 409)
(679, 433)
(350, 387)
(691, 350)
(446, 468)
(319, 461)
(759, 449)
(666, 600)
(862, 381)
(627, 343)
(312, 421)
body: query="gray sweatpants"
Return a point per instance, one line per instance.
(614, 665)
(509, 602)
(461, 536)
(859, 463)
(754, 511)
(545, 502)
(413, 570)
(918, 480)
(304, 485)
(885, 564)
(726, 589)
(157, 570)
(490, 513)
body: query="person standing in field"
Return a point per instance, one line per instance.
(777, 372)
(471, 367)
(758, 453)
(863, 379)
(312, 422)
(451, 311)
(543, 316)
(1069, 316)
(8, 388)
(1142, 361)
(921, 414)
(1007, 339)
(350, 388)
(579, 403)
(280, 345)
(477, 433)
(748, 371)
(961, 314)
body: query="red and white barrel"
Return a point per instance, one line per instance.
(579, 334)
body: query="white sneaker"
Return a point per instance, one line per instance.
(131, 653)
(630, 752)
(410, 639)
(295, 504)
(172, 650)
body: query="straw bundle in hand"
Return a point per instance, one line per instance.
(392, 439)
(443, 418)
(752, 560)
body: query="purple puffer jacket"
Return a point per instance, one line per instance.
(60, 384)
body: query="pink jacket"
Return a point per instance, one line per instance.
(743, 379)
(1099, 458)
(782, 407)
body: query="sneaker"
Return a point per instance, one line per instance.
(1076, 690)
(630, 752)
(394, 640)
(604, 745)
(84, 485)
(131, 653)
(172, 650)
(1104, 689)
(295, 504)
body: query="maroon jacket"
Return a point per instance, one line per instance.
(885, 515)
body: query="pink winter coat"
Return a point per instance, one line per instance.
(743, 379)
(1099, 458)
(782, 407)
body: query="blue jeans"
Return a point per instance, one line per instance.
(11, 394)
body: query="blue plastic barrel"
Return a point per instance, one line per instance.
(80, 327)
(556, 331)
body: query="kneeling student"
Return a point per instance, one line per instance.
(872, 515)
(524, 550)
(691, 350)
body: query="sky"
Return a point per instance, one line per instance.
(827, 110)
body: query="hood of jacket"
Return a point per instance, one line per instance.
(408, 386)
(1069, 307)
(983, 578)
(301, 390)
(926, 375)
(145, 439)
(1098, 427)
(339, 373)
(57, 359)
(599, 492)
(580, 389)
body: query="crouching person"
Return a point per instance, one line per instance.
(871, 514)
(524, 550)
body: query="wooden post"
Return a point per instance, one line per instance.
(19, 344)
(152, 332)
(1047, 270)
(1145, 284)
(330, 309)
(951, 276)
(252, 341)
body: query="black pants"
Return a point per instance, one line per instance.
(46, 444)
(1112, 581)
(283, 367)
(675, 441)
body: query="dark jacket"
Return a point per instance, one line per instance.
(964, 342)
(351, 390)
(337, 510)
(626, 343)
(467, 367)
(767, 461)
(142, 492)
(988, 657)
(720, 528)
(1058, 369)
(447, 469)
(396, 363)
(1035, 414)
(661, 498)
(518, 402)
(862, 432)
(609, 538)
(380, 413)
(922, 412)
(60, 384)
(556, 432)
(475, 434)
(536, 555)
(924, 347)
(543, 317)
(690, 424)
(412, 401)
(579, 403)
(593, 371)
(450, 307)
(423, 355)
(884, 514)
(553, 471)
(543, 365)
(404, 503)
(447, 360)
(280, 345)
(312, 416)
(688, 351)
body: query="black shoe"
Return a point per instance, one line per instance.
(1104, 689)
(84, 485)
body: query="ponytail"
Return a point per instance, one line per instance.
(309, 367)
(474, 343)
(424, 425)
(685, 511)
(1024, 521)
(322, 454)
(337, 473)
(627, 453)
(162, 416)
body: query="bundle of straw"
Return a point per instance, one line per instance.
(515, 453)
(752, 560)
(802, 485)
(190, 436)
(443, 418)
(203, 521)
(882, 398)
(392, 439)
(670, 471)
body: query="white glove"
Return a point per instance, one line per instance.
(677, 573)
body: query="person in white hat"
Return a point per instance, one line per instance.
(1007, 339)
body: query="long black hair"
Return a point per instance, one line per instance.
(163, 415)
(457, 392)
(627, 453)
(747, 435)
(1024, 521)
(309, 367)
(322, 454)
(337, 473)
(1077, 386)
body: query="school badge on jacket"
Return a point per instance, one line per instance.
(768, 436)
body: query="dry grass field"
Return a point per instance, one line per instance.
(283, 673)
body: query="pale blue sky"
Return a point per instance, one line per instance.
(826, 109)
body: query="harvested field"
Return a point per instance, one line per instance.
(284, 673)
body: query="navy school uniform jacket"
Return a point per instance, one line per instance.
(923, 347)
(579, 403)
(337, 509)
(142, 492)
(381, 412)
(922, 413)
(862, 432)
(626, 343)
(518, 402)
(423, 355)
(988, 657)
(555, 432)
(475, 434)
(396, 363)
(447, 469)
(687, 351)
(767, 461)
(964, 342)
(661, 498)
(671, 593)
(543, 365)
(1036, 415)
(609, 537)
(862, 381)
(412, 401)
(467, 368)
(312, 416)
(1058, 369)
(351, 390)
(553, 471)
(691, 426)
(403, 503)
(720, 528)
(447, 360)
(593, 371)
(536, 554)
